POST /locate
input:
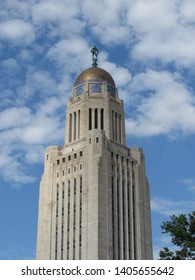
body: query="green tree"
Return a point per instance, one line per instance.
(182, 231)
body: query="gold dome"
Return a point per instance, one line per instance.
(93, 74)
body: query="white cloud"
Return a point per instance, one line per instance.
(12, 170)
(121, 75)
(20, 125)
(164, 105)
(54, 10)
(107, 20)
(34, 154)
(10, 63)
(187, 11)
(161, 32)
(39, 83)
(15, 9)
(17, 31)
(167, 207)
(23, 137)
(158, 29)
(43, 129)
(71, 54)
(59, 18)
(189, 183)
(50, 106)
(14, 117)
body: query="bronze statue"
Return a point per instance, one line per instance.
(94, 52)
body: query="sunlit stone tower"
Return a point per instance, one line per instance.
(94, 195)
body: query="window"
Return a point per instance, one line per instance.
(102, 118)
(70, 128)
(69, 158)
(75, 155)
(95, 87)
(97, 139)
(90, 118)
(79, 120)
(111, 90)
(63, 190)
(58, 162)
(79, 90)
(63, 159)
(75, 125)
(96, 118)
(81, 153)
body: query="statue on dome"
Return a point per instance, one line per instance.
(94, 52)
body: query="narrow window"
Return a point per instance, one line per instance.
(63, 190)
(120, 129)
(70, 128)
(75, 125)
(90, 118)
(102, 118)
(96, 118)
(79, 113)
(116, 127)
(113, 128)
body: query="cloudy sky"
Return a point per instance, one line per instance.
(148, 46)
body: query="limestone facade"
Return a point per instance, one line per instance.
(94, 194)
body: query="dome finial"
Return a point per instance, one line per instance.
(94, 52)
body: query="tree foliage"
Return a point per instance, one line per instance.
(182, 231)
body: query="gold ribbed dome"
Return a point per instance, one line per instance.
(93, 74)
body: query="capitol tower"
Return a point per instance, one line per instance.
(94, 201)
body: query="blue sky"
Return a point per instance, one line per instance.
(148, 46)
